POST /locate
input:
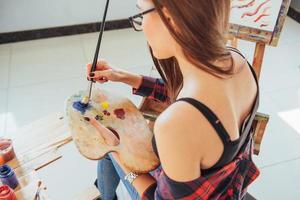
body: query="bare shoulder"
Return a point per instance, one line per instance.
(179, 152)
(178, 118)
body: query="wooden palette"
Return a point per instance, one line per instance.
(134, 148)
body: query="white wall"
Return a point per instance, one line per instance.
(18, 15)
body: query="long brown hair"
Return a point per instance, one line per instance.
(203, 26)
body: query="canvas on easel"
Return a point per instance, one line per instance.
(258, 20)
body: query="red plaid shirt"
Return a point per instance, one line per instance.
(229, 182)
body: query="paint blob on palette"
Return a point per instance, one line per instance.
(81, 107)
(258, 14)
(106, 112)
(99, 117)
(105, 105)
(120, 113)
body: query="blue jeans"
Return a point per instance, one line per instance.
(109, 175)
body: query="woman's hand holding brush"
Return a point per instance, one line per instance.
(104, 73)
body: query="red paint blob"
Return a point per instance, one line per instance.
(120, 113)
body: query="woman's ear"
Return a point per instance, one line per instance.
(169, 18)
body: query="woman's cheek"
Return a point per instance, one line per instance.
(158, 37)
(147, 31)
(152, 34)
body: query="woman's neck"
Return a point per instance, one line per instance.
(192, 76)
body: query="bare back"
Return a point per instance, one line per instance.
(230, 99)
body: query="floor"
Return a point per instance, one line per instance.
(37, 76)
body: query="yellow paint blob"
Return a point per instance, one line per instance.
(105, 105)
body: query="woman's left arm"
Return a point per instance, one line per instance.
(142, 183)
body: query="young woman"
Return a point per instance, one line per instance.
(203, 139)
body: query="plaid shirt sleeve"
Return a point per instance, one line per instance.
(153, 88)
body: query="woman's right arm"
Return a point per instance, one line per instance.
(153, 88)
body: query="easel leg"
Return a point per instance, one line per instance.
(258, 57)
(261, 120)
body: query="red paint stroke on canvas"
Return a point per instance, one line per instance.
(264, 14)
(256, 10)
(251, 3)
(263, 25)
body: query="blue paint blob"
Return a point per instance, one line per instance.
(78, 105)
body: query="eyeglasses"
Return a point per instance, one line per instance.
(136, 21)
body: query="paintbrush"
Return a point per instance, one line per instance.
(37, 193)
(85, 100)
